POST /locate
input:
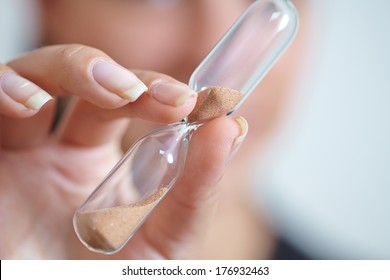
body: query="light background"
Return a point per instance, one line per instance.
(327, 183)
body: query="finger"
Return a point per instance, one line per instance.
(93, 76)
(68, 70)
(186, 210)
(166, 101)
(79, 70)
(20, 98)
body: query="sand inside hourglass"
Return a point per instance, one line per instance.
(107, 229)
(214, 102)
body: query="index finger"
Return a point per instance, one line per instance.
(93, 76)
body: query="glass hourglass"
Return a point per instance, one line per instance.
(120, 204)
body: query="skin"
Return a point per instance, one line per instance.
(46, 174)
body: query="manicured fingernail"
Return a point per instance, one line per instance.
(170, 93)
(243, 124)
(118, 80)
(23, 91)
(37, 100)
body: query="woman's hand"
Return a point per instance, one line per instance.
(46, 173)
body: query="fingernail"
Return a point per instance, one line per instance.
(23, 91)
(170, 93)
(243, 124)
(118, 80)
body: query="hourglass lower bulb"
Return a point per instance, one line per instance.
(120, 204)
(112, 213)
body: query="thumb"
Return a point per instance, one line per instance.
(185, 212)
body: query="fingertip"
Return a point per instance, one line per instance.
(212, 143)
(133, 93)
(37, 100)
(170, 92)
(117, 79)
(19, 97)
(243, 128)
(219, 140)
(209, 150)
(224, 129)
(149, 109)
(243, 125)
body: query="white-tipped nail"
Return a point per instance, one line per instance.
(244, 130)
(135, 92)
(118, 80)
(23, 91)
(37, 100)
(237, 142)
(171, 93)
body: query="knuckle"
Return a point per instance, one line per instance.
(70, 53)
(74, 63)
(77, 55)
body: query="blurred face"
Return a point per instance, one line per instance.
(168, 36)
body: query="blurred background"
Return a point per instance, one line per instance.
(326, 183)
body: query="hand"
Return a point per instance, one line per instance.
(46, 173)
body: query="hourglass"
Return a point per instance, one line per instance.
(120, 204)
